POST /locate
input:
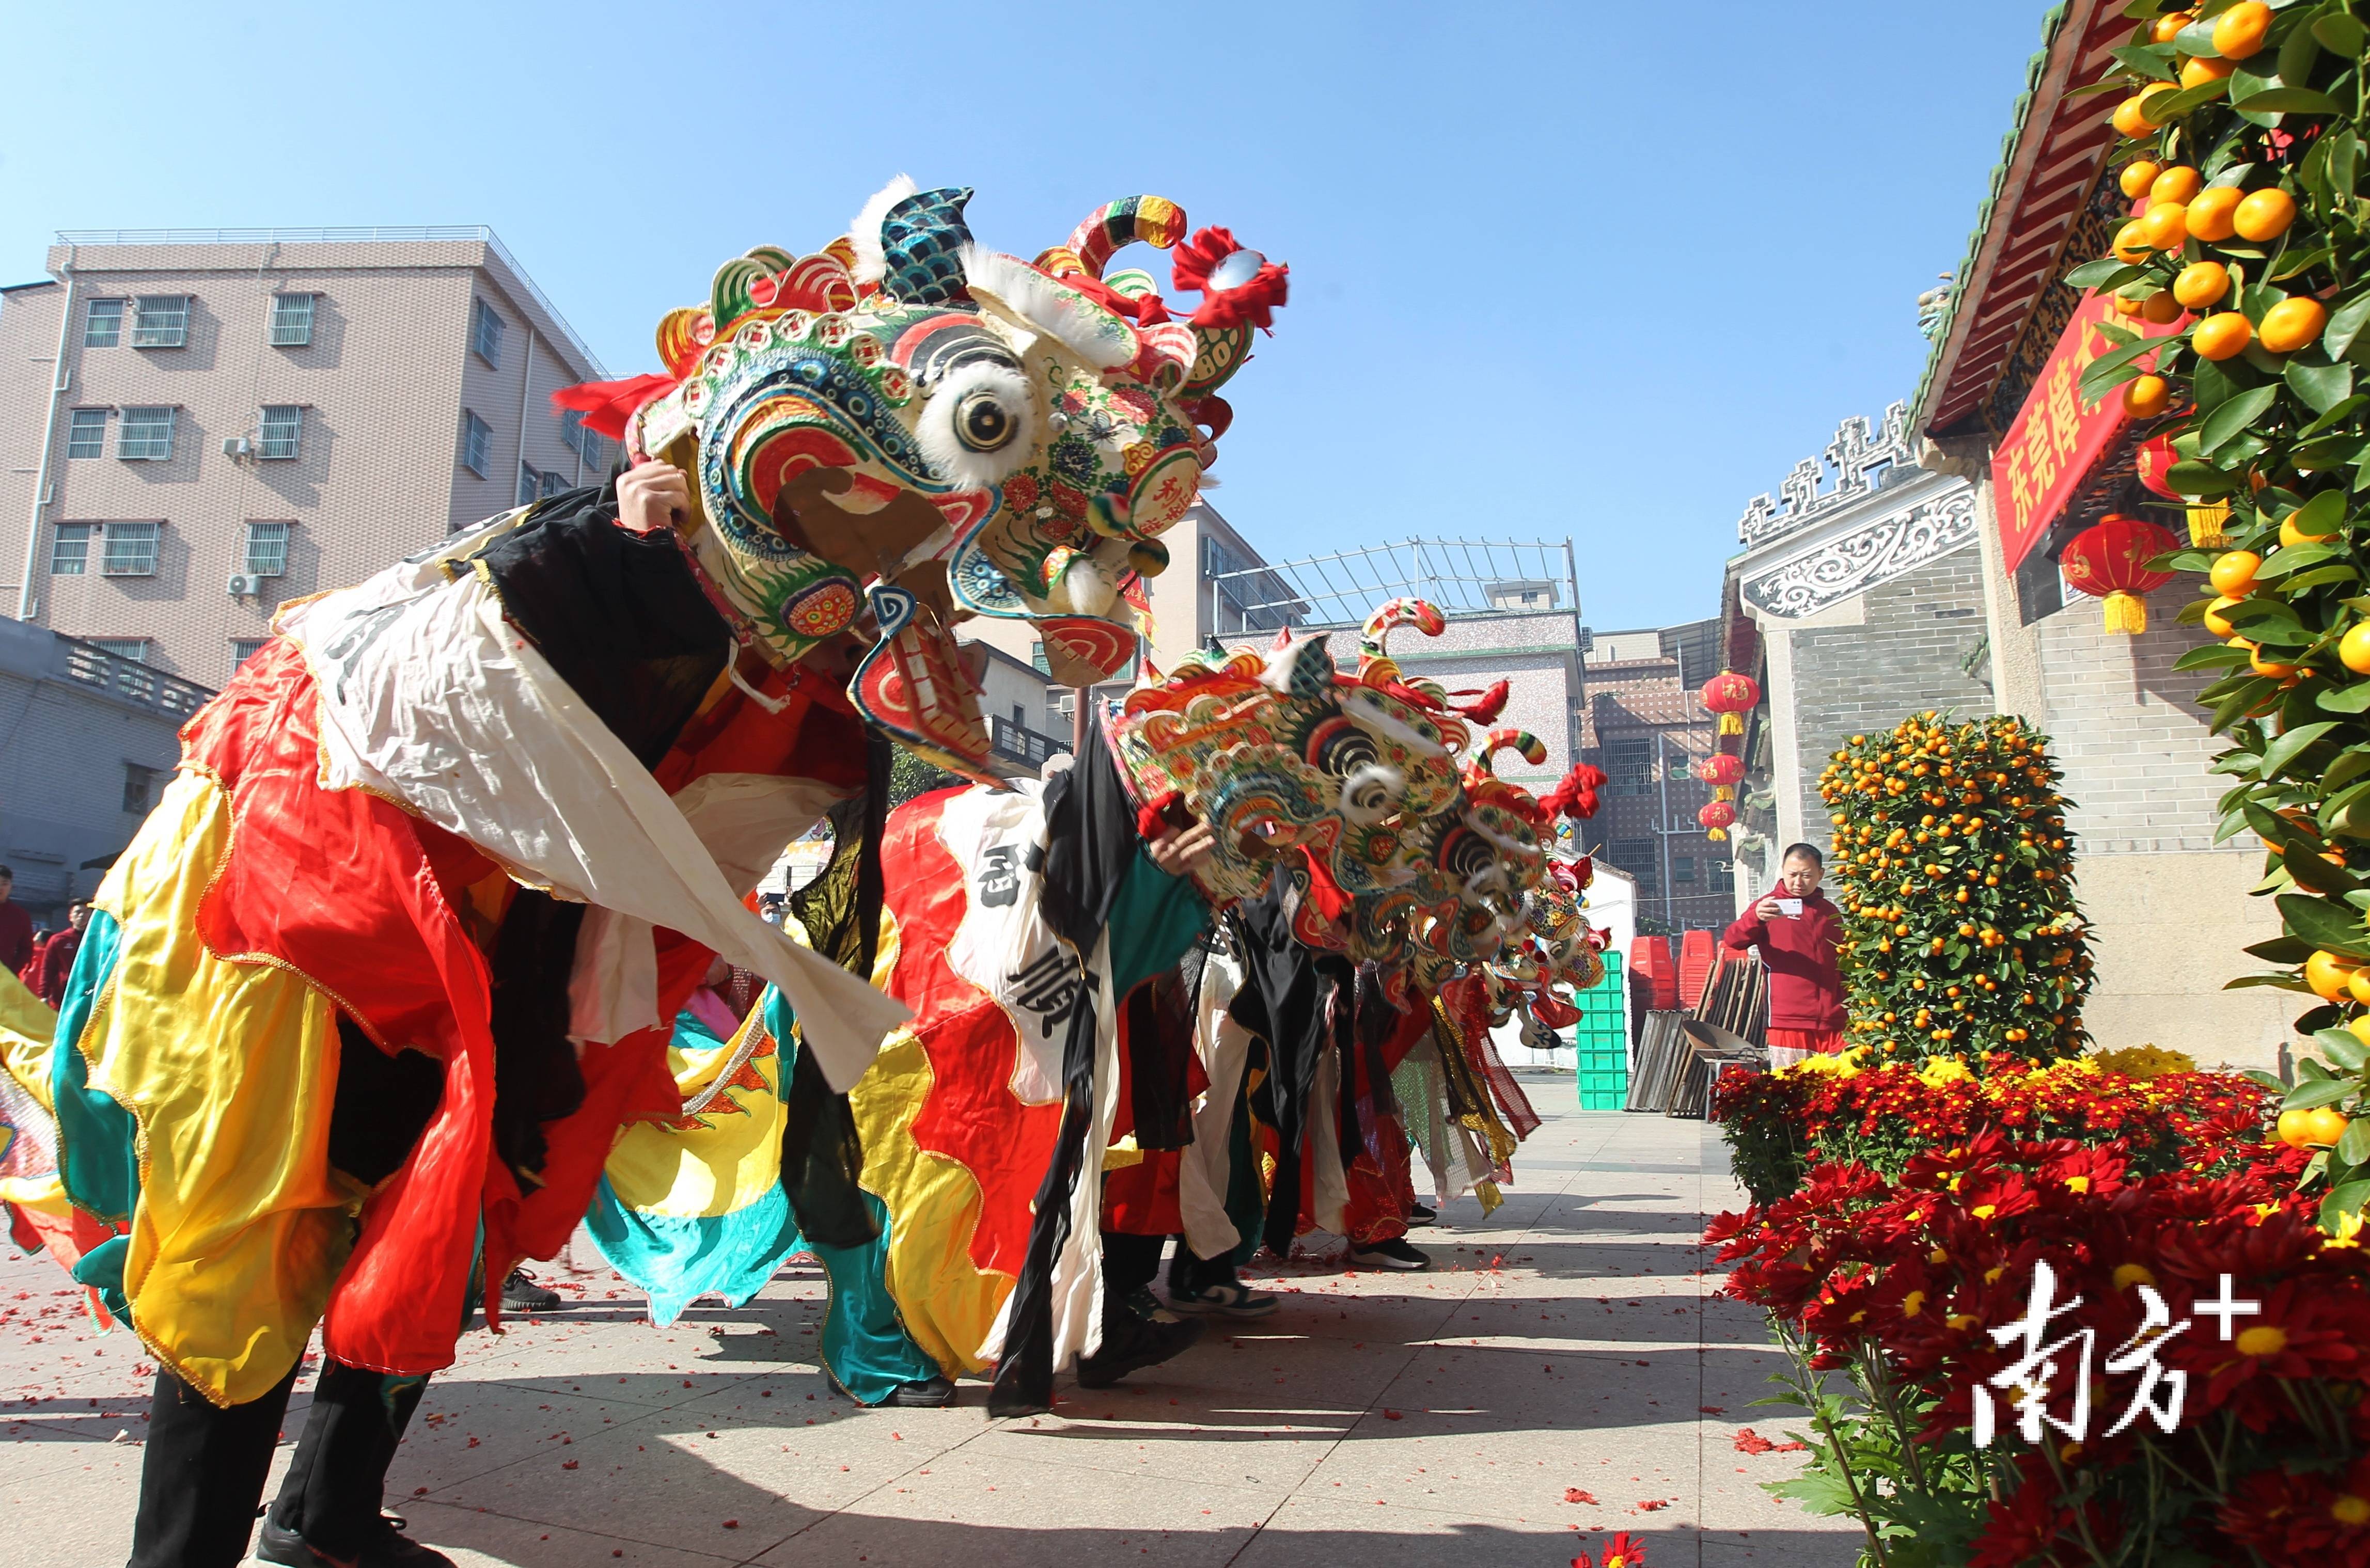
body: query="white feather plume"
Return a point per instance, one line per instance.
(1047, 306)
(863, 229)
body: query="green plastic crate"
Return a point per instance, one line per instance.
(1601, 1041)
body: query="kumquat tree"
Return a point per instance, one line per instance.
(2243, 152)
(1952, 871)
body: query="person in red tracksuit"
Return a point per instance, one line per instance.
(1796, 927)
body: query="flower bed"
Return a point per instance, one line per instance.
(1899, 1242)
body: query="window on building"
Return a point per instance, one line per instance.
(1636, 857)
(131, 551)
(1683, 869)
(1629, 765)
(554, 482)
(486, 329)
(530, 486)
(70, 549)
(102, 323)
(244, 649)
(1718, 872)
(147, 435)
(86, 433)
(291, 320)
(267, 549)
(139, 782)
(477, 444)
(134, 648)
(1038, 661)
(282, 431)
(161, 321)
(571, 430)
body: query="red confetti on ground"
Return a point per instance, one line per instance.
(1574, 1495)
(1652, 1506)
(1713, 1409)
(1393, 1415)
(1748, 1441)
(420, 1492)
(731, 1523)
(568, 1464)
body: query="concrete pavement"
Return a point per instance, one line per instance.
(1563, 1372)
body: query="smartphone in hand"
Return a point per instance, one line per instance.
(1790, 907)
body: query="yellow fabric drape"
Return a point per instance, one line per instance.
(723, 1158)
(229, 1071)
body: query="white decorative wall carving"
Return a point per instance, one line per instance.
(1858, 456)
(1863, 557)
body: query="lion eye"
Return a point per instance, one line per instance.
(982, 422)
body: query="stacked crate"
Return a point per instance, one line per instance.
(1601, 1040)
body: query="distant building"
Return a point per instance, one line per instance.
(1860, 584)
(1645, 725)
(201, 424)
(93, 738)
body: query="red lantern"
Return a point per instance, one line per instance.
(1717, 817)
(2153, 461)
(1723, 770)
(1732, 696)
(2109, 560)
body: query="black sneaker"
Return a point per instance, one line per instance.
(1394, 1254)
(522, 1294)
(929, 1393)
(1137, 1332)
(1227, 1297)
(1418, 1216)
(385, 1547)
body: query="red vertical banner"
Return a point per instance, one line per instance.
(2055, 439)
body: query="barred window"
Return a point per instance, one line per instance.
(147, 435)
(1629, 765)
(553, 483)
(477, 443)
(291, 320)
(134, 648)
(139, 782)
(161, 321)
(530, 486)
(86, 433)
(1636, 857)
(131, 551)
(102, 325)
(486, 329)
(244, 649)
(571, 430)
(1683, 869)
(282, 431)
(70, 550)
(267, 549)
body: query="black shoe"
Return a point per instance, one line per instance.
(522, 1294)
(1418, 1216)
(927, 1394)
(1137, 1332)
(1225, 1297)
(385, 1547)
(1394, 1254)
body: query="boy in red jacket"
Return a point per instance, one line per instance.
(1796, 928)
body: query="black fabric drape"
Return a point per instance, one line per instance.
(1159, 1045)
(622, 620)
(381, 1106)
(619, 615)
(1090, 844)
(823, 1154)
(1283, 1001)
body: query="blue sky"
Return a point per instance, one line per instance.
(1571, 269)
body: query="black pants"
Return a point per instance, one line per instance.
(202, 1475)
(1129, 1263)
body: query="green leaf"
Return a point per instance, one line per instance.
(2333, 416)
(2354, 1147)
(2339, 34)
(2322, 514)
(2282, 950)
(2346, 769)
(2273, 100)
(2320, 576)
(2300, 262)
(2101, 371)
(2104, 273)
(2267, 1081)
(2202, 479)
(2341, 1200)
(2343, 1047)
(2296, 557)
(2322, 387)
(2167, 107)
(2326, 925)
(2262, 619)
(2213, 655)
(2344, 323)
(2294, 744)
(2153, 61)
(2353, 699)
(2233, 416)
(2298, 52)
(2316, 1092)
(2321, 877)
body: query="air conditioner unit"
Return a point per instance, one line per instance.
(242, 585)
(236, 447)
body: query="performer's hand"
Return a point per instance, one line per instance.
(652, 496)
(1767, 910)
(1178, 854)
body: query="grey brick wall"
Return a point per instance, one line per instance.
(2128, 730)
(1903, 659)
